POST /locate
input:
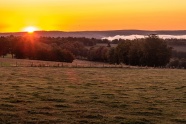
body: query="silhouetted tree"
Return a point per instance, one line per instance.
(155, 51)
(151, 51)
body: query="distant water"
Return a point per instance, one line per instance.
(131, 37)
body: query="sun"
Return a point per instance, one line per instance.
(30, 29)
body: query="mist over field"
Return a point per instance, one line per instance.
(132, 37)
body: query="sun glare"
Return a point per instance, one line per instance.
(30, 29)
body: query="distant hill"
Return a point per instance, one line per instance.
(98, 34)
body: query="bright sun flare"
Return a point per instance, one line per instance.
(30, 29)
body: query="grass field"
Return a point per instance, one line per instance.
(92, 95)
(9, 62)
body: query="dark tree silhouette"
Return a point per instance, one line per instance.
(150, 51)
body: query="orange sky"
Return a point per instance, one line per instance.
(75, 15)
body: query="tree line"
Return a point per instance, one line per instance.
(63, 49)
(149, 51)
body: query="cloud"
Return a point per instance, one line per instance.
(131, 37)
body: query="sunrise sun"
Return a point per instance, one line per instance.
(30, 29)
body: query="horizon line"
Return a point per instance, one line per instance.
(95, 30)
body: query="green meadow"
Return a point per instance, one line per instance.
(92, 95)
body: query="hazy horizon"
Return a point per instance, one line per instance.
(93, 30)
(117, 36)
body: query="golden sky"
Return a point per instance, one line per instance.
(81, 15)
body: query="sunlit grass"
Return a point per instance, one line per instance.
(92, 95)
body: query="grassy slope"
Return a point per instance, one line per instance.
(90, 95)
(9, 62)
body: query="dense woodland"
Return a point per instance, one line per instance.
(149, 51)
